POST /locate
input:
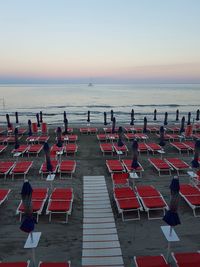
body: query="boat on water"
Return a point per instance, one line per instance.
(90, 84)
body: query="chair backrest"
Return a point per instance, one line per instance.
(188, 131)
(124, 175)
(44, 128)
(34, 127)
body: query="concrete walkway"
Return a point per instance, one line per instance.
(101, 247)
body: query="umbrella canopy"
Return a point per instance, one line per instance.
(16, 139)
(88, 116)
(189, 118)
(59, 137)
(113, 125)
(195, 161)
(197, 115)
(111, 115)
(177, 115)
(145, 125)
(165, 120)
(16, 117)
(47, 156)
(29, 128)
(105, 118)
(8, 121)
(155, 114)
(120, 137)
(38, 120)
(182, 128)
(171, 217)
(162, 136)
(132, 117)
(66, 125)
(135, 163)
(41, 119)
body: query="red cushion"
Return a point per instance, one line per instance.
(57, 205)
(147, 191)
(194, 200)
(125, 192)
(187, 189)
(36, 205)
(54, 264)
(3, 193)
(128, 203)
(13, 264)
(151, 261)
(155, 202)
(193, 257)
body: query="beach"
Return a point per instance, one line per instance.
(60, 241)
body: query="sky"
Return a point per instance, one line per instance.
(100, 41)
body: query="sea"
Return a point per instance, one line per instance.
(77, 99)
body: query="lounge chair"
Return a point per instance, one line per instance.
(129, 136)
(180, 146)
(153, 128)
(188, 135)
(32, 139)
(186, 259)
(11, 130)
(43, 138)
(11, 139)
(160, 165)
(34, 149)
(112, 137)
(67, 167)
(21, 167)
(107, 130)
(127, 201)
(34, 128)
(22, 149)
(6, 167)
(150, 261)
(142, 147)
(70, 138)
(120, 179)
(39, 197)
(101, 137)
(177, 164)
(15, 264)
(106, 148)
(43, 169)
(3, 140)
(151, 200)
(44, 128)
(71, 149)
(174, 129)
(2, 148)
(190, 145)
(2, 130)
(54, 264)
(191, 195)
(127, 165)
(123, 149)
(60, 202)
(88, 130)
(153, 147)
(114, 165)
(4, 195)
(141, 136)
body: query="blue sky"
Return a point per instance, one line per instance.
(100, 40)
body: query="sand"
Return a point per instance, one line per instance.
(60, 242)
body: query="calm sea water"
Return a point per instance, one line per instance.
(77, 99)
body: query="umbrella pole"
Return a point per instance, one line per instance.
(168, 250)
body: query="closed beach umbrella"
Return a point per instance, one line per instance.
(197, 116)
(29, 128)
(145, 125)
(59, 137)
(41, 119)
(155, 114)
(177, 115)
(120, 137)
(66, 125)
(135, 163)
(113, 125)
(47, 156)
(64, 116)
(132, 117)
(16, 117)
(189, 118)
(8, 121)
(195, 161)
(16, 139)
(111, 115)
(182, 129)
(88, 116)
(162, 136)
(105, 118)
(38, 120)
(165, 120)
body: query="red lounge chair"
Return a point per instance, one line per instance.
(4, 195)
(21, 167)
(192, 196)
(15, 264)
(177, 164)
(44, 128)
(71, 149)
(114, 165)
(190, 145)
(127, 165)
(43, 138)
(151, 261)
(186, 259)
(101, 137)
(43, 169)
(34, 149)
(70, 138)
(189, 132)
(160, 165)
(151, 200)
(2, 131)
(153, 129)
(142, 147)
(60, 201)
(127, 202)
(141, 136)
(153, 147)
(54, 264)
(67, 167)
(6, 167)
(11, 139)
(123, 149)
(181, 146)
(138, 129)
(106, 148)
(32, 139)
(84, 130)
(11, 130)
(21, 149)
(2, 148)
(34, 128)
(174, 129)
(107, 130)
(3, 140)
(120, 179)
(129, 136)
(112, 137)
